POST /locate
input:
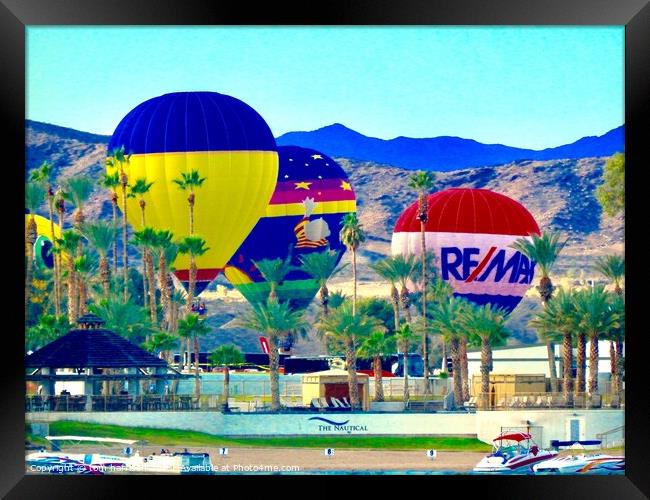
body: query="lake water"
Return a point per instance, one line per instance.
(251, 384)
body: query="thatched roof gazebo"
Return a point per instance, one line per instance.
(96, 355)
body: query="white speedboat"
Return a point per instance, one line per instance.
(581, 462)
(513, 452)
(59, 462)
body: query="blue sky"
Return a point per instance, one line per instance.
(532, 87)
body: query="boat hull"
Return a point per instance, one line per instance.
(521, 463)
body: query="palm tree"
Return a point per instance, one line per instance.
(404, 267)
(146, 239)
(68, 243)
(352, 235)
(321, 266)
(125, 318)
(194, 246)
(164, 248)
(485, 325)
(447, 318)
(79, 189)
(162, 342)
(84, 269)
(405, 338)
(34, 196)
(191, 327)
(377, 346)
(101, 235)
(117, 159)
(112, 182)
(596, 317)
(274, 271)
(346, 329)
(385, 268)
(44, 175)
(274, 320)
(138, 190)
(544, 250)
(189, 182)
(48, 329)
(560, 316)
(613, 268)
(422, 182)
(226, 355)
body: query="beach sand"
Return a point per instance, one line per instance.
(242, 459)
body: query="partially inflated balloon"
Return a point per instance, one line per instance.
(230, 145)
(311, 198)
(470, 231)
(43, 256)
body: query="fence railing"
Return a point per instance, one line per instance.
(546, 400)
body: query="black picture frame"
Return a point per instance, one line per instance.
(634, 14)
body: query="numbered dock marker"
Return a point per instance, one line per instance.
(432, 454)
(223, 451)
(329, 452)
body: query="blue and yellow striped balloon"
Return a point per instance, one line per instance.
(230, 145)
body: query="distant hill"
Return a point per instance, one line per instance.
(443, 153)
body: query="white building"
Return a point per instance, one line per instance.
(532, 359)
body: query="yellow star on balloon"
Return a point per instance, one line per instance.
(302, 185)
(346, 186)
(317, 157)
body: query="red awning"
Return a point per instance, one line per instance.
(514, 436)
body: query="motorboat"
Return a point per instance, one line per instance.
(513, 452)
(581, 462)
(59, 462)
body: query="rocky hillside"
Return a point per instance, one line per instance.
(559, 193)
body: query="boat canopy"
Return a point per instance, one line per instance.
(514, 436)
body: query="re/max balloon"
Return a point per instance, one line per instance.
(470, 231)
(229, 144)
(311, 198)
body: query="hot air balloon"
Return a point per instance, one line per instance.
(470, 231)
(43, 256)
(311, 198)
(229, 144)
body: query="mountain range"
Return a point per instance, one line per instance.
(560, 193)
(443, 153)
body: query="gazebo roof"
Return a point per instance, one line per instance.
(92, 348)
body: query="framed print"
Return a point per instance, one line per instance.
(380, 240)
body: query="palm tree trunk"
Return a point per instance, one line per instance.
(581, 356)
(114, 204)
(353, 384)
(593, 363)
(354, 279)
(619, 368)
(394, 298)
(164, 291)
(274, 364)
(192, 280)
(57, 290)
(59, 256)
(379, 386)
(226, 387)
(105, 275)
(190, 200)
(550, 350)
(425, 336)
(152, 288)
(455, 360)
(405, 358)
(125, 253)
(30, 236)
(612, 364)
(145, 262)
(197, 374)
(324, 299)
(72, 311)
(406, 302)
(464, 368)
(567, 361)
(83, 296)
(485, 371)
